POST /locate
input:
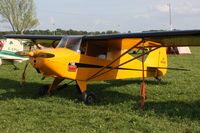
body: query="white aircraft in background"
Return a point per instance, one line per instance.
(8, 48)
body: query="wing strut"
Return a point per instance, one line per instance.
(112, 68)
(115, 60)
(143, 89)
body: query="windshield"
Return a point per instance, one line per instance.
(70, 42)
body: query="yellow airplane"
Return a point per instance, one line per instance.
(105, 57)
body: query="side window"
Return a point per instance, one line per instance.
(96, 50)
(83, 48)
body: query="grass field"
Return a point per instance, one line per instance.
(173, 105)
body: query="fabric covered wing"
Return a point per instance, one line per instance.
(154, 39)
(126, 41)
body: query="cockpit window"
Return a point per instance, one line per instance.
(70, 42)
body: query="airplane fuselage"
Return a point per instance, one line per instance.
(72, 65)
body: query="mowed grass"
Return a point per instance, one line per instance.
(172, 105)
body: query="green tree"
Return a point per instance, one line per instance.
(19, 13)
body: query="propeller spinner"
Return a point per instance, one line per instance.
(32, 54)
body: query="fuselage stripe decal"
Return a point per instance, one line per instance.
(81, 65)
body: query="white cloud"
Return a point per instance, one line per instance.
(163, 8)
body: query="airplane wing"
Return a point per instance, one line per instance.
(162, 39)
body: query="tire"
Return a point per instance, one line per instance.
(89, 98)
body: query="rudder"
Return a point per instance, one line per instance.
(156, 62)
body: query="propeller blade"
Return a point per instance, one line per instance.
(44, 55)
(24, 73)
(22, 53)
(32, 54)
(30, 47)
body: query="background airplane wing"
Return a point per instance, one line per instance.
(34, 37)
(45, 40)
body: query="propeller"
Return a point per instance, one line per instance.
(22, 53)
(35, 54)
(44, 55)
(24, 73)
(32, 54)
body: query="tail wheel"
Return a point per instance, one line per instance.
(89, 98)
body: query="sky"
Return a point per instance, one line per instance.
(120, 15)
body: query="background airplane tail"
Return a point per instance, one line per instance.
(156, 62)
(12, 45)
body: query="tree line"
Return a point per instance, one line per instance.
(68, 32)
(21, 15)
(60, 32)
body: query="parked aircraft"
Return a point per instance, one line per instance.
(105, 57)
(8, 48)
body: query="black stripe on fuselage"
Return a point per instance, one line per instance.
(81, 65)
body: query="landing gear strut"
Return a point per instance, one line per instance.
(48, 89)
(88, 97)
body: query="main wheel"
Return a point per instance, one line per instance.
(43, 90)
(89, 98)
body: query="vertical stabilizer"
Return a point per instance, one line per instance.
(157, 60)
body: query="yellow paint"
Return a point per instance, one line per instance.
(58, 65)
(82, 85)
